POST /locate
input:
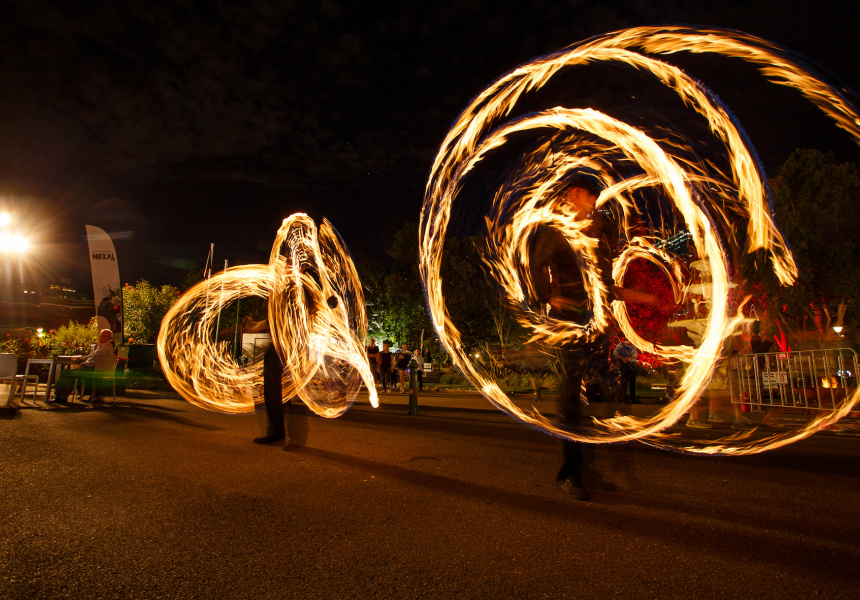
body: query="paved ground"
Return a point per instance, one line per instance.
(154, 498)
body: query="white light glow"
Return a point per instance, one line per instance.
(13, 243)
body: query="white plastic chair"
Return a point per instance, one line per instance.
(9, 372)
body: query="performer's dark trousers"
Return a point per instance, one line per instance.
(578, 360)
(420, 380)
(628, 378)
(272, 372)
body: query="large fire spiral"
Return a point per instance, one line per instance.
(641, 176)
(316, 317)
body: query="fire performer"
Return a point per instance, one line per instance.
(273, 371)
(558, 283)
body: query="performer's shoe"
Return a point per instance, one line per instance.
(270, 439)
(574, 488)
(58, 401)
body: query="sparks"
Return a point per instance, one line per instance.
(707, 201)
(316, 315)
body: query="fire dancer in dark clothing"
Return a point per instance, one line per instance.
(558, 282)
(273, 371)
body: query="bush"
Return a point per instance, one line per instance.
(452, 379)
(10, 345)
(526, 380)
(145, 307)
(550, 381)
(510, 380)
(74, 338)
(514, 379)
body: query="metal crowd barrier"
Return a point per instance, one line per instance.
(807, 379)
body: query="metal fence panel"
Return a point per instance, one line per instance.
(806, 379)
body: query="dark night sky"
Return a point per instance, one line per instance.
(176, 124)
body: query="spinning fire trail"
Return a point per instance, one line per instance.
(719, 208)
(316, 315)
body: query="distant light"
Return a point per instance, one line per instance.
(5, 219)
(837, 328)
(12, 243)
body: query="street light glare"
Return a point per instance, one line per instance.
(5, 219)
(12, 243)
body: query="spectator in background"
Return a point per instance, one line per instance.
(420, 360)
(626, 354)
(385, 365)
(373, 359)
(404, 357)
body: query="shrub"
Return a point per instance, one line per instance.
(74, 338)
(452, 379)
(526, 380)
(550, 381)
(145, 307)
(10, 345)
(515, 379)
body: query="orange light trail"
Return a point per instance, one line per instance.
(316, 317)
(703, 196)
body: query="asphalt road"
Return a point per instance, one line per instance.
(159, 499)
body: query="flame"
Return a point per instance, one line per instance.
(703, 196)
(829, 382)
(316, 318)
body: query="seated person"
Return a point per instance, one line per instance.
(101, 360)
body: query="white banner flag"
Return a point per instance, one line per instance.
(106, 288)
